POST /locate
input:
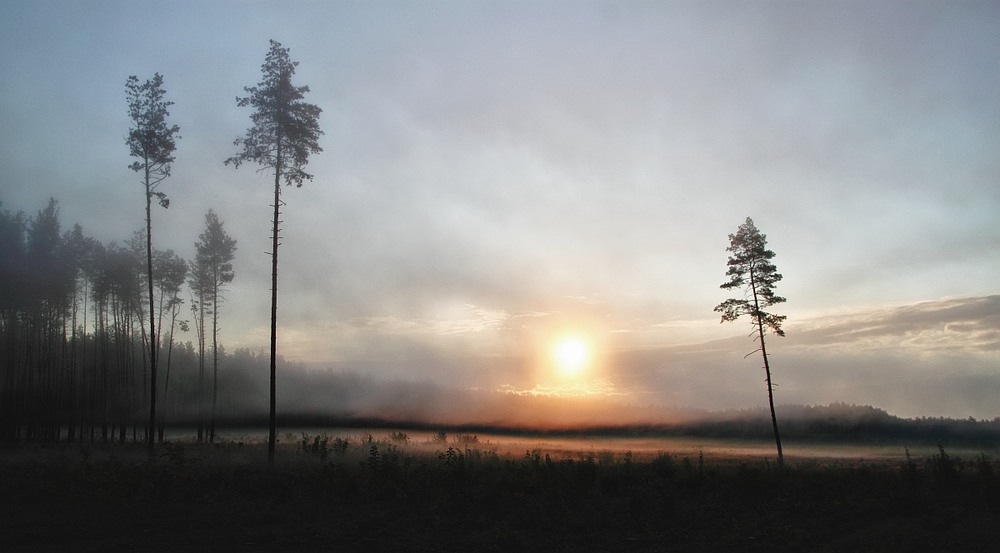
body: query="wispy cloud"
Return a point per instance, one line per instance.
(957, 324)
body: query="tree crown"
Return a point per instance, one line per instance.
(750, 269)
(150, 138)
(215, 252)
(285, 128)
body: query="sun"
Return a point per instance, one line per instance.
(571, 355)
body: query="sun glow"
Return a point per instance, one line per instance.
(571, 355)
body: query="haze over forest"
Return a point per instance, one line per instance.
(497, 177)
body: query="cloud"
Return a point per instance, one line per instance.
(493, 173)
(959, 324)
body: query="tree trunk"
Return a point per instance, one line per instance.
(152, 321)
(201, 367)
(272, 430)
(767, 370)
(170, 350)
(215, 356)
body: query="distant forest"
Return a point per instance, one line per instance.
(74, 367)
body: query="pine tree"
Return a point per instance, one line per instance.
(285, 132)
(751, 270)
(216, 251)
(152, 141)
(171, 271)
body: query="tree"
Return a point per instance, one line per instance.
(152, 141)
(285, 132)
(198, 283)
(751, 270)
(50, 291)
(216, 251)
(171, 270)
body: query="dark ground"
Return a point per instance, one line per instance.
(377, 496)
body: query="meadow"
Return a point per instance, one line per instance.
(399, 491)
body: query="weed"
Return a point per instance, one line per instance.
(452, 457)
(663, 464)
(910, 467)
(628, 458)
(983, 466)
(943, 466)
(321, 449)
(605, 458)
(340, 446)
(317, 446)
(373, 458)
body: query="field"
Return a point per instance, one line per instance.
(435, 492)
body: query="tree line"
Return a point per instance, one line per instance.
(74, 350)
(83, 323)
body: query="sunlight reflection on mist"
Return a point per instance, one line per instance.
(598, 387)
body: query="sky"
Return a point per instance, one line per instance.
(497, 175)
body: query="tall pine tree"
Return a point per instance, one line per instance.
(751, 270)
(152, 141)
(284, 134)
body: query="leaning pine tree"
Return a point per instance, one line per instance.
(285, 132)
(751, 270)
(152, 141)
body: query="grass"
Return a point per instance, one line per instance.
(398, 493)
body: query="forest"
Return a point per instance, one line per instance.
(73, 346)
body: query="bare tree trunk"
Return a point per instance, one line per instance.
(767, 370)
(272, 430)
(170, 350)
(152, 321)
(215, 357)
(770, 397)
(201, 369)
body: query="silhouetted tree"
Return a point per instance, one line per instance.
(125, 339)
(72, 335)
(49, 268)
(93, 259)
(152, 141)
(198, 285)
(751, 270)
(216, 251)
(285, 132)
(12, 254)
(170, 272)
(86, 253)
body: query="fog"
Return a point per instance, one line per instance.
(497, 175)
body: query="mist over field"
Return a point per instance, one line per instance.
(321, 399)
